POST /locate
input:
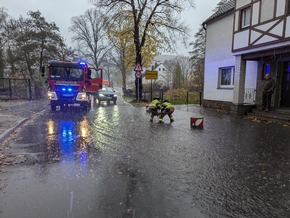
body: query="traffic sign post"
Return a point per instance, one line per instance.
(138, 75)
(151, 75)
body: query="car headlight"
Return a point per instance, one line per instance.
(82, 96)
(101, 95)
(51, 95)
(115, 95)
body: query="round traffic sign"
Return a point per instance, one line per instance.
(138, 74)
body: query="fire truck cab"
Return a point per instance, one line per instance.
(72, 84)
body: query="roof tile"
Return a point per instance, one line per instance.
(228, 7)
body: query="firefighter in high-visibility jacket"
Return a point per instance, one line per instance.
(154, 108)
(166, 109)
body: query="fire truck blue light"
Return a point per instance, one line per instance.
(68, 89)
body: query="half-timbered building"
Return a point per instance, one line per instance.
(246, 39)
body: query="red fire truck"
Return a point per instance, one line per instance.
(72, 83)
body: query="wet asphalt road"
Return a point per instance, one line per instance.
(112, 162)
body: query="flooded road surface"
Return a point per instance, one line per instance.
(112, 162)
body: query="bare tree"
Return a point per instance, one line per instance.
(185, 70)
(117, 56)
(158, 16)
(89, 32)
(122, 53)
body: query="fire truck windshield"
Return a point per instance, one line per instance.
(68, 74)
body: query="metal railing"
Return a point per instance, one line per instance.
(250, 96)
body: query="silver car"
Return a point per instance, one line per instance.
(106, 94)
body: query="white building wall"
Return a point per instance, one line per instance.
(242, 3)
(287, 33)
(269, 31)
(241, 39)
(280, 10)
(218, 54)
(255, 14)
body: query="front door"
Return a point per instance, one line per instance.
(285, 88)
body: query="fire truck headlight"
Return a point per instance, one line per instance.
(51, 95)
(82, 96)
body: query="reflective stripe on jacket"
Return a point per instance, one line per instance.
(167, 105)
(154, 104)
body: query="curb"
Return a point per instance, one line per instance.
(8, 132)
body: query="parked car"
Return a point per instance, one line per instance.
(106, 94)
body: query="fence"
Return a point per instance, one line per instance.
(192, 97)
(250, 96)
(15, 89)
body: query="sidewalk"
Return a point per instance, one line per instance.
(15, 112)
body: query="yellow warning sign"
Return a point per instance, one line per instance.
(151, 75)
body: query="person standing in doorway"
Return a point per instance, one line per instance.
(268, 86)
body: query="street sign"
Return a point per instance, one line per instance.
(138, 74)
(151, 75)
(138, 67)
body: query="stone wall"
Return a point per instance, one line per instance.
(228, 107)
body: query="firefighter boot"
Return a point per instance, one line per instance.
(171, 119)
(151, 119)
(160, 120)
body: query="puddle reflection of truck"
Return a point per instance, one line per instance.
(72, 84)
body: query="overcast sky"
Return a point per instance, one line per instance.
(61, 12)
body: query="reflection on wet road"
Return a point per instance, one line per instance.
(64, 139)
(112, 162)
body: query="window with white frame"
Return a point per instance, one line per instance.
(226, 77)
(246, 17)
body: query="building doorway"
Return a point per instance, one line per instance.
(285, 85)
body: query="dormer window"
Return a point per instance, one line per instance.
(246, 17)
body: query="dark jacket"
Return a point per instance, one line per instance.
(269, 85)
